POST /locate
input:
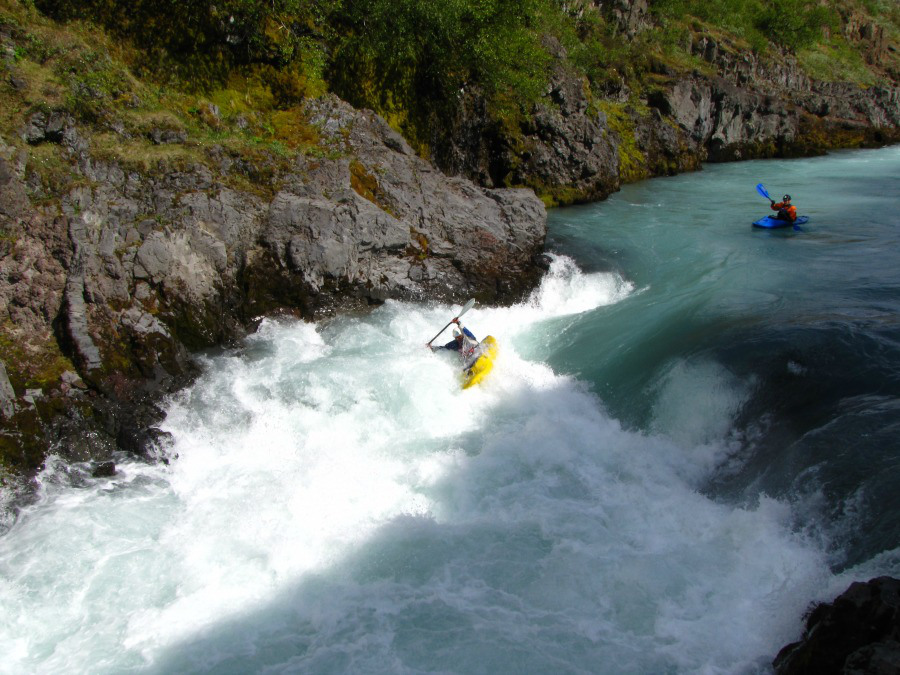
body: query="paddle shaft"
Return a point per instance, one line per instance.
(466, 308)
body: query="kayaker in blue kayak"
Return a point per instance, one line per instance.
(786, 210)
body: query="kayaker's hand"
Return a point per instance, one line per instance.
(772, 202)
(456, 321)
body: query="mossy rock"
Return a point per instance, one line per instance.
(23, 444)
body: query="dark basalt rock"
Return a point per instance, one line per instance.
(858, 633)
(104, 470)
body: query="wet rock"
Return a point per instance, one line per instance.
(543, 261)
(857, 633)
(104, 470)
(143, 442)
(7, 394)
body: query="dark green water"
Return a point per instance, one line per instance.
(784, 344)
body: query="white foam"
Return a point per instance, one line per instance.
(338, 503)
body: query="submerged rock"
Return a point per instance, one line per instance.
(857, 633)
(104, 470)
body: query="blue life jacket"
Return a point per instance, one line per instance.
(453, 345)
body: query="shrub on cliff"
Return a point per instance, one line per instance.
(200, 42)
(417, 56)
(790, 23)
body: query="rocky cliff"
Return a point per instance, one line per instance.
(580, 144)
(107, 287)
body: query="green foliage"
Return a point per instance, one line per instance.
(94, 82)
(419, 55)
(790, 23)
(794, 24)
(416, 62)
(836, 61)
(199, 42)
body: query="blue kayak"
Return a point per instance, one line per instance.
(771, 222)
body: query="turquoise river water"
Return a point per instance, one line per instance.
(690, 435)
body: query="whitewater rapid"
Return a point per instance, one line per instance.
(333, 502)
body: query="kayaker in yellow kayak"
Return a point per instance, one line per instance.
(477, 357)
(464, 341)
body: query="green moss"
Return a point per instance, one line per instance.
(422, 251)
(632, 162)
(362, 182)
(291, 128)
(557, 195)
(836, 61)
(22, 442)
(366, 186)
(31, 366)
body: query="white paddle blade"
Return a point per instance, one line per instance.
(469, 305)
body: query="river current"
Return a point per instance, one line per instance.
(690, 434)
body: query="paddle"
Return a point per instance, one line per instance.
(469, 305)
(762, 190)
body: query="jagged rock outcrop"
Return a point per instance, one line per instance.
(571, 149)
(132, 269)
(871, 37)
(756, 108)
(857, 633)
(580, 146)
(631, 16)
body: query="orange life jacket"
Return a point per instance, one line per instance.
(787, 209)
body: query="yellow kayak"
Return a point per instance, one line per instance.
(476, 371)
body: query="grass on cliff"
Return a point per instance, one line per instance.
(793, 24)
(81, 70)
(836, 61)
(820, 33)
(30, 365)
